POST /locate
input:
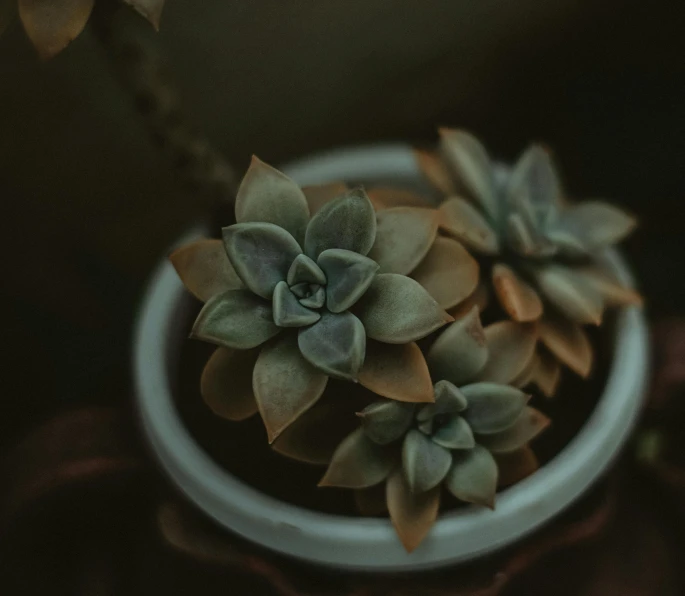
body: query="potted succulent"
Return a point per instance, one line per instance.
(400, 319)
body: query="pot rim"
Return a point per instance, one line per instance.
(362, 543)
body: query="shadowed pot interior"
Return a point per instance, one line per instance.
(361, 543)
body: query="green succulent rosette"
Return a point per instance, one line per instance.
(292, 299)
(471, 440)
(542, 247)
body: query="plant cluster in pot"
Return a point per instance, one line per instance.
(401, 319)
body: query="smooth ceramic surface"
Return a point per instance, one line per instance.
(359, 543)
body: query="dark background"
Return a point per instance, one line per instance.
(89, 204)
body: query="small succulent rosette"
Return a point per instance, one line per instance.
(292, 299)
(473, 438)
(541, 248)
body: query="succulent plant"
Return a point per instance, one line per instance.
(293, 299)
(543, 248)
(52, 24)
(474, 436)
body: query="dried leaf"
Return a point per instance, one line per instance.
(389, 198)
(226, 383)
(596, 224)
(510, 345)
(568, 342)
(519, 299)
(547, 373)
(398, 372)
(459, 218)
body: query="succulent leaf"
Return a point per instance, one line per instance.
(521, 236)
(570, 293)
(318, 195)
(455, 434)
(336, 344)
(479, 298)
(448, 272)
(348, 222)
(287, 310)
(448, 400)
(285, 384)
(235, 319)
(349, 275)
(267, 195)
(358, 462)
(424, 462)
(389, 198)
(316, 300)
(261, 254)
(493, 407)
(226, 383)
(403, 237)
(52, 25)
(412, 514)
(518, 298)
(149, 9)
(547, 373)
(529, 425)
(568, 342)
(613, 292)
(516, 465)
(472, 166)
(511, 347)
(596, 224)
(204, 268)
(473, 476)
(304, 270)
(397, 310)
(397, 371)
(461, 219)
(386, 421)
(435, 171)
(460, 351)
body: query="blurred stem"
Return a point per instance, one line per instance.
(143, 73)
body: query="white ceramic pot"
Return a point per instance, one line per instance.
(362, 543)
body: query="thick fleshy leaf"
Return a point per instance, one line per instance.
(435, 171)
(371, 501)
(521, 237)
(460, 351)
(358, 462)
(52, 25)
(403, 237)
(287, 310)
(570, 293)
(459, 218)
(596, 224)
(204, 268)
(472, 166)
(473, 476)
(349, 275)
(397, 371)
(455, 434)
(316, 300)
(613, 292)
(519, 299)
(261, 254)
(304, 270)
(568, 342)
(316, 434)
(267, 195)
(335, 345)
(493, 407)
(397, 310)
(479, 298)
(285, 384)
(386, 421)
(511, 347)
(448, 272)
(226, 383)
(318, 195)
(547, 373)
(515, 466)
(534, 183)
(424, 462)
(448, 400)
(235, 319)
(412, 515)
(388, 198)
(529, 425)
(525, 376)
(348, 222)
(150, 9)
